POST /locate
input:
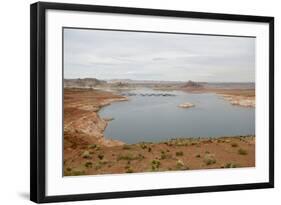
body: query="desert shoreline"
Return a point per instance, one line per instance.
(88, 151)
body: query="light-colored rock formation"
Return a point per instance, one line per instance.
(240, 100)
(186, 105)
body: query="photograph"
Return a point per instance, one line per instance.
(147, 101)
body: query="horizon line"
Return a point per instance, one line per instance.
(160, 80)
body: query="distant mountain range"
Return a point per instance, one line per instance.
(122, 83)
(85, 82)
(129, 81)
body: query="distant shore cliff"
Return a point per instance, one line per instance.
(83, 83)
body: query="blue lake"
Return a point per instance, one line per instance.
(158, 118)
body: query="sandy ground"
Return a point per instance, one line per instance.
(87, 152)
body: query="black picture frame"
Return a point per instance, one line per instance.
(38, 97)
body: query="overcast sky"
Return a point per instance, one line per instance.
(154, 56)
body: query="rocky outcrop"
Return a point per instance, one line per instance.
(81, 119)
(242, 101)
(186, 105)
(83, 83)
(192, 84)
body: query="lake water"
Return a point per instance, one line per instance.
(157, 118)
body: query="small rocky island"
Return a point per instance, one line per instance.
(186, 105)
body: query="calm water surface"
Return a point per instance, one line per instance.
(157, 118)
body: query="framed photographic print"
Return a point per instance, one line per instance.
(129, 102)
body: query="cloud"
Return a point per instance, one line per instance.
(154, 56)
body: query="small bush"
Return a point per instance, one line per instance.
(100, 156)
(103, 162)
(164, 155)
(92, 146)
(242, 152)
(86, 155)
(198, 156)
(234, 144)
(230, 165)
(143, 146)
(149, 149)
(140, 156)
(209, 159)
(89, 164)
(77, 172)
(129, 170)
(180, 153)
(181, 166)
(155, 164)
(129, 157)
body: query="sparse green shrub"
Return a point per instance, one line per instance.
(140, 156)
(129, 157)
(92, 146)
(230, 165)
(242, 151)
(129, 170)
(178, 142)
(180, 153)
(100, 156)
(155, 164)
(209, 159)
(77, 172)
(86, 155)
(181, 166)
(89, 164)
(164, 155)
(103, 162)
(143, 145)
